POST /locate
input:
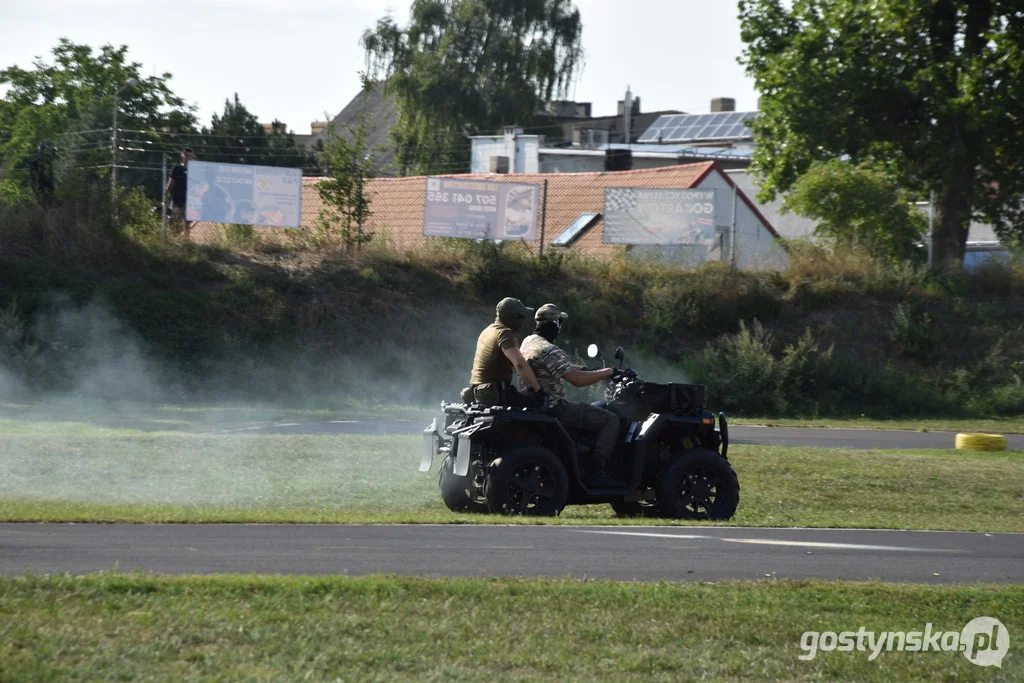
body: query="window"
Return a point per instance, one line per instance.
(584, 221)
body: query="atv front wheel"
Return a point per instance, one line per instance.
(526, 481)
(460, 494)
(698, 484)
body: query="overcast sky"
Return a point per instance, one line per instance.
(295, 59)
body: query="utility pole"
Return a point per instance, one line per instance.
(163, 197)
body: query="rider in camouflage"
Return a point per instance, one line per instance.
(551, 365)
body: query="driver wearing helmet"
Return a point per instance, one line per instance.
(550, 366)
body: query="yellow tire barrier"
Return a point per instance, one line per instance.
(980, 442)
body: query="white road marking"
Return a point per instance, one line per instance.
(768, 541)
(346, 422)
(839, 546)
(289, 424)
(643, 533)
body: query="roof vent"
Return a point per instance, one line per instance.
(723, 104)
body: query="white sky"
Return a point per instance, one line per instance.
(295, 59)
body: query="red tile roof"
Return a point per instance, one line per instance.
(398, 203)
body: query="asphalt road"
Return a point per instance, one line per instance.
(776, 436)
(624, 553)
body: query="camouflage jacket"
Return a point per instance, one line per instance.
(549, 364)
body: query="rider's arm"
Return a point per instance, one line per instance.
(170, 185)
(584, 378)
(522, 367)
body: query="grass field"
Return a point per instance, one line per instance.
(77, 472)
(127, 627)
(83, 417)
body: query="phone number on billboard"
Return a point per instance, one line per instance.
(459, 198)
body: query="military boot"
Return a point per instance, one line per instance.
(602, 480)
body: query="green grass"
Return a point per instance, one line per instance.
(127, 627)
(114, 474)
(1010, 425)
(88, 417)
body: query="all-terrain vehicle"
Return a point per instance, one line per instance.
(670, 455)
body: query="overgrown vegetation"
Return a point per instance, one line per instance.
(837, 334)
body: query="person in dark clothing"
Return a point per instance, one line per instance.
(177, 186)
(551, 365)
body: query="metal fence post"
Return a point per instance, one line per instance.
(543, 218)
(163, 198)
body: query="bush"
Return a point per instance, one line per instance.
(19, 352)
(912, 334)
(240, 235)
(858, 205)
(746, 374)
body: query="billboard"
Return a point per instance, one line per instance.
(238, 193)
(634, 215)
(481, 209)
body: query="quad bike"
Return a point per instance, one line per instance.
(669, 455)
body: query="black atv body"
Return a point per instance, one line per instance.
(671, 456)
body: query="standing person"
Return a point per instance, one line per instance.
(550, 366)
(177, 186)
(497, 355)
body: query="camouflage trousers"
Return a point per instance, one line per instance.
(591, 419)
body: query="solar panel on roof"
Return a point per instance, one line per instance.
(691, 127)
(582, 222)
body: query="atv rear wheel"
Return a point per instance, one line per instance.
(460, 494)
(698, 484)
(636, 508)
(526, 481)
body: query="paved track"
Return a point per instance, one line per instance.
(626, 553)
(777, 436)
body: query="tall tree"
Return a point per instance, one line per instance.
(928, 90)
(237, 137)
(70, 103)
(462, 67)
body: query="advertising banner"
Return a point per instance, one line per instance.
(480, 209)
(239, 193)
(659, 216)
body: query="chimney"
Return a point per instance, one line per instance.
(317, 127)
(722, 104)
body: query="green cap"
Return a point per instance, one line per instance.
(509, 307)
(549, 313)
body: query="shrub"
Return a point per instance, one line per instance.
(856, 205)
(912, 334)
(19, 352)
(747, 375)
(240, 235)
